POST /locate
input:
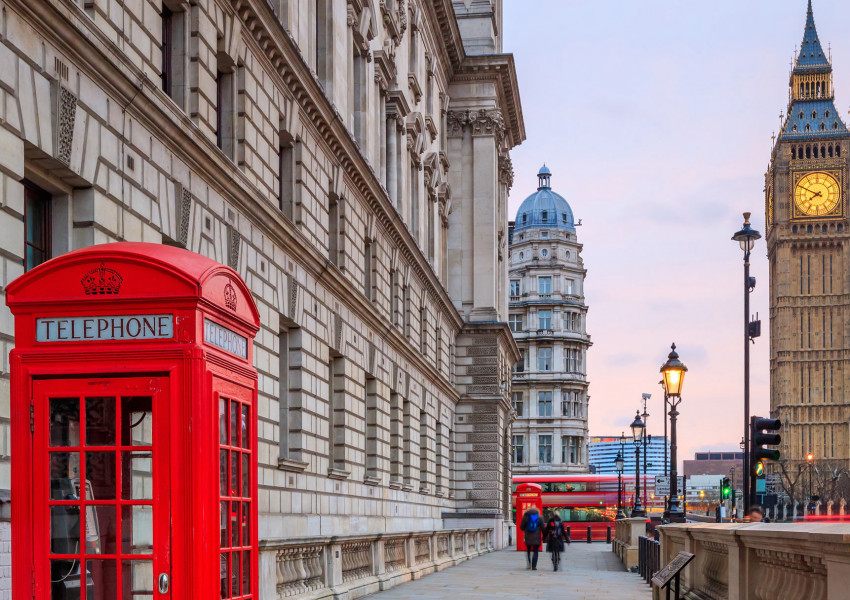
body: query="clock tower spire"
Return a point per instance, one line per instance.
(808, 245)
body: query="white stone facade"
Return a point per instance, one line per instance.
(349, 158)
(548, 317)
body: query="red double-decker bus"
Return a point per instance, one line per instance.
(583, 501)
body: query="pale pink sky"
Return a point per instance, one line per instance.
(655, 118)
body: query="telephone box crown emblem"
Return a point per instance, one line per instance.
(101, 281)
(230, 297)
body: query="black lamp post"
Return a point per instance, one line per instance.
(646, 440)
(810, 458)
(618, 464)
(673, 372)
(747, 237)
(638, 430)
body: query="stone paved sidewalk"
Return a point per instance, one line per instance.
(589, 572)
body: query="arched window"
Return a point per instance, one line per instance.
(830, 151)
(840, 228)
(794, 229)
(544, 253)
(835, 125)
(822, 152)
(802, 116)
(809, 229)
(814, 114)
(545, 216)
(823, 228)
(808, 127)
(823, 126)
(794, 128)
(521, 256)
(826, 114)
(808, 151)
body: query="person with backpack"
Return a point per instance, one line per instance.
(554, 534)
(532, 529)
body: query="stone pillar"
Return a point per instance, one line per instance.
(378, 557)
(830, 507)
(333, 568)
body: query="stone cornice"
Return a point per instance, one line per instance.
(443, 13)
(112, 71)
(501, 69)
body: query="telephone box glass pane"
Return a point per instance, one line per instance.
(246, 524)
(100, 529)
(137, 475)
(100, 421)
(223, 526)
(246, 475)
(64, 469)
(246, 572)
(245, 423)
(64, 422)
(104, 578)
(137, 529)
(223, 575)
(100, 473)
(234, 423)
(222, 421)
(222, 472)
(65, 580)
(137, 580)
(65, 529)
(137, 421)
(234, 524)
(234, 474)
(235, 570)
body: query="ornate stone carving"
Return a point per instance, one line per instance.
(185, 216)
(66, 115)
(395, 18)
(506, 171)
(479, 122)
(356, 560)
(234, 241)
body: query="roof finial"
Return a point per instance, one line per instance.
(810, 6)
(543, 177)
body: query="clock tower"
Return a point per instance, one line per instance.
(806, 191)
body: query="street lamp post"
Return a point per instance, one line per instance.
(747, 237)
(618, 464)
(810, 458)
(638, 430)
(673, 372)
(646, 440)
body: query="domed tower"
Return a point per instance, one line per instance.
(547, 315)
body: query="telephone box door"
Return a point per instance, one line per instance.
(100, 481)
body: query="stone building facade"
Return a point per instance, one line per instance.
(350, 159)
(548, 317)
(808, 240)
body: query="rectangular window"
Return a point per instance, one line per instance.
(518, 449)
(544, 449)
(283, 391)
(333, 229)
(37, 204)
(565, 404)
(544, 404)
(374, 418)
(575, 450)
(544, 285)
(166, 48)
(423, 329)
(336, 411)
(523, 358)
(515, 322)
(544, 359)
(173, 52)
(569, 286)
(517, 402)
(414, 202)
(368, 259)
(286, 178)
(224, 114)
(515, 287)
(544, 319)
(565, 449)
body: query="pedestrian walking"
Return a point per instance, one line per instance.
(532, 530)
(554, 534)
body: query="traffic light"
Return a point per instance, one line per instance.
(758, 452)
(725, 488)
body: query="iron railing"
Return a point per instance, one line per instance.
(649, 557)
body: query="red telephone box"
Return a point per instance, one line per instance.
(134, 463)
(527, 495)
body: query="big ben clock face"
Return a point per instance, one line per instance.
(817, 194)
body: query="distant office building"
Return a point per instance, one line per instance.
(602, 451)
(722, 464)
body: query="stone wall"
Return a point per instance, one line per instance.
(319, 170)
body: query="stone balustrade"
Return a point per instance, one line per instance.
(348, 567)
(761, 561)
(627, 538)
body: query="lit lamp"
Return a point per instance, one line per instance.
(619, 463)
(673, 376)
(810, 458)
(638, 430)
(746, 238)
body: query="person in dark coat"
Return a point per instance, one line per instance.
(555, 534)
(532, 529)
